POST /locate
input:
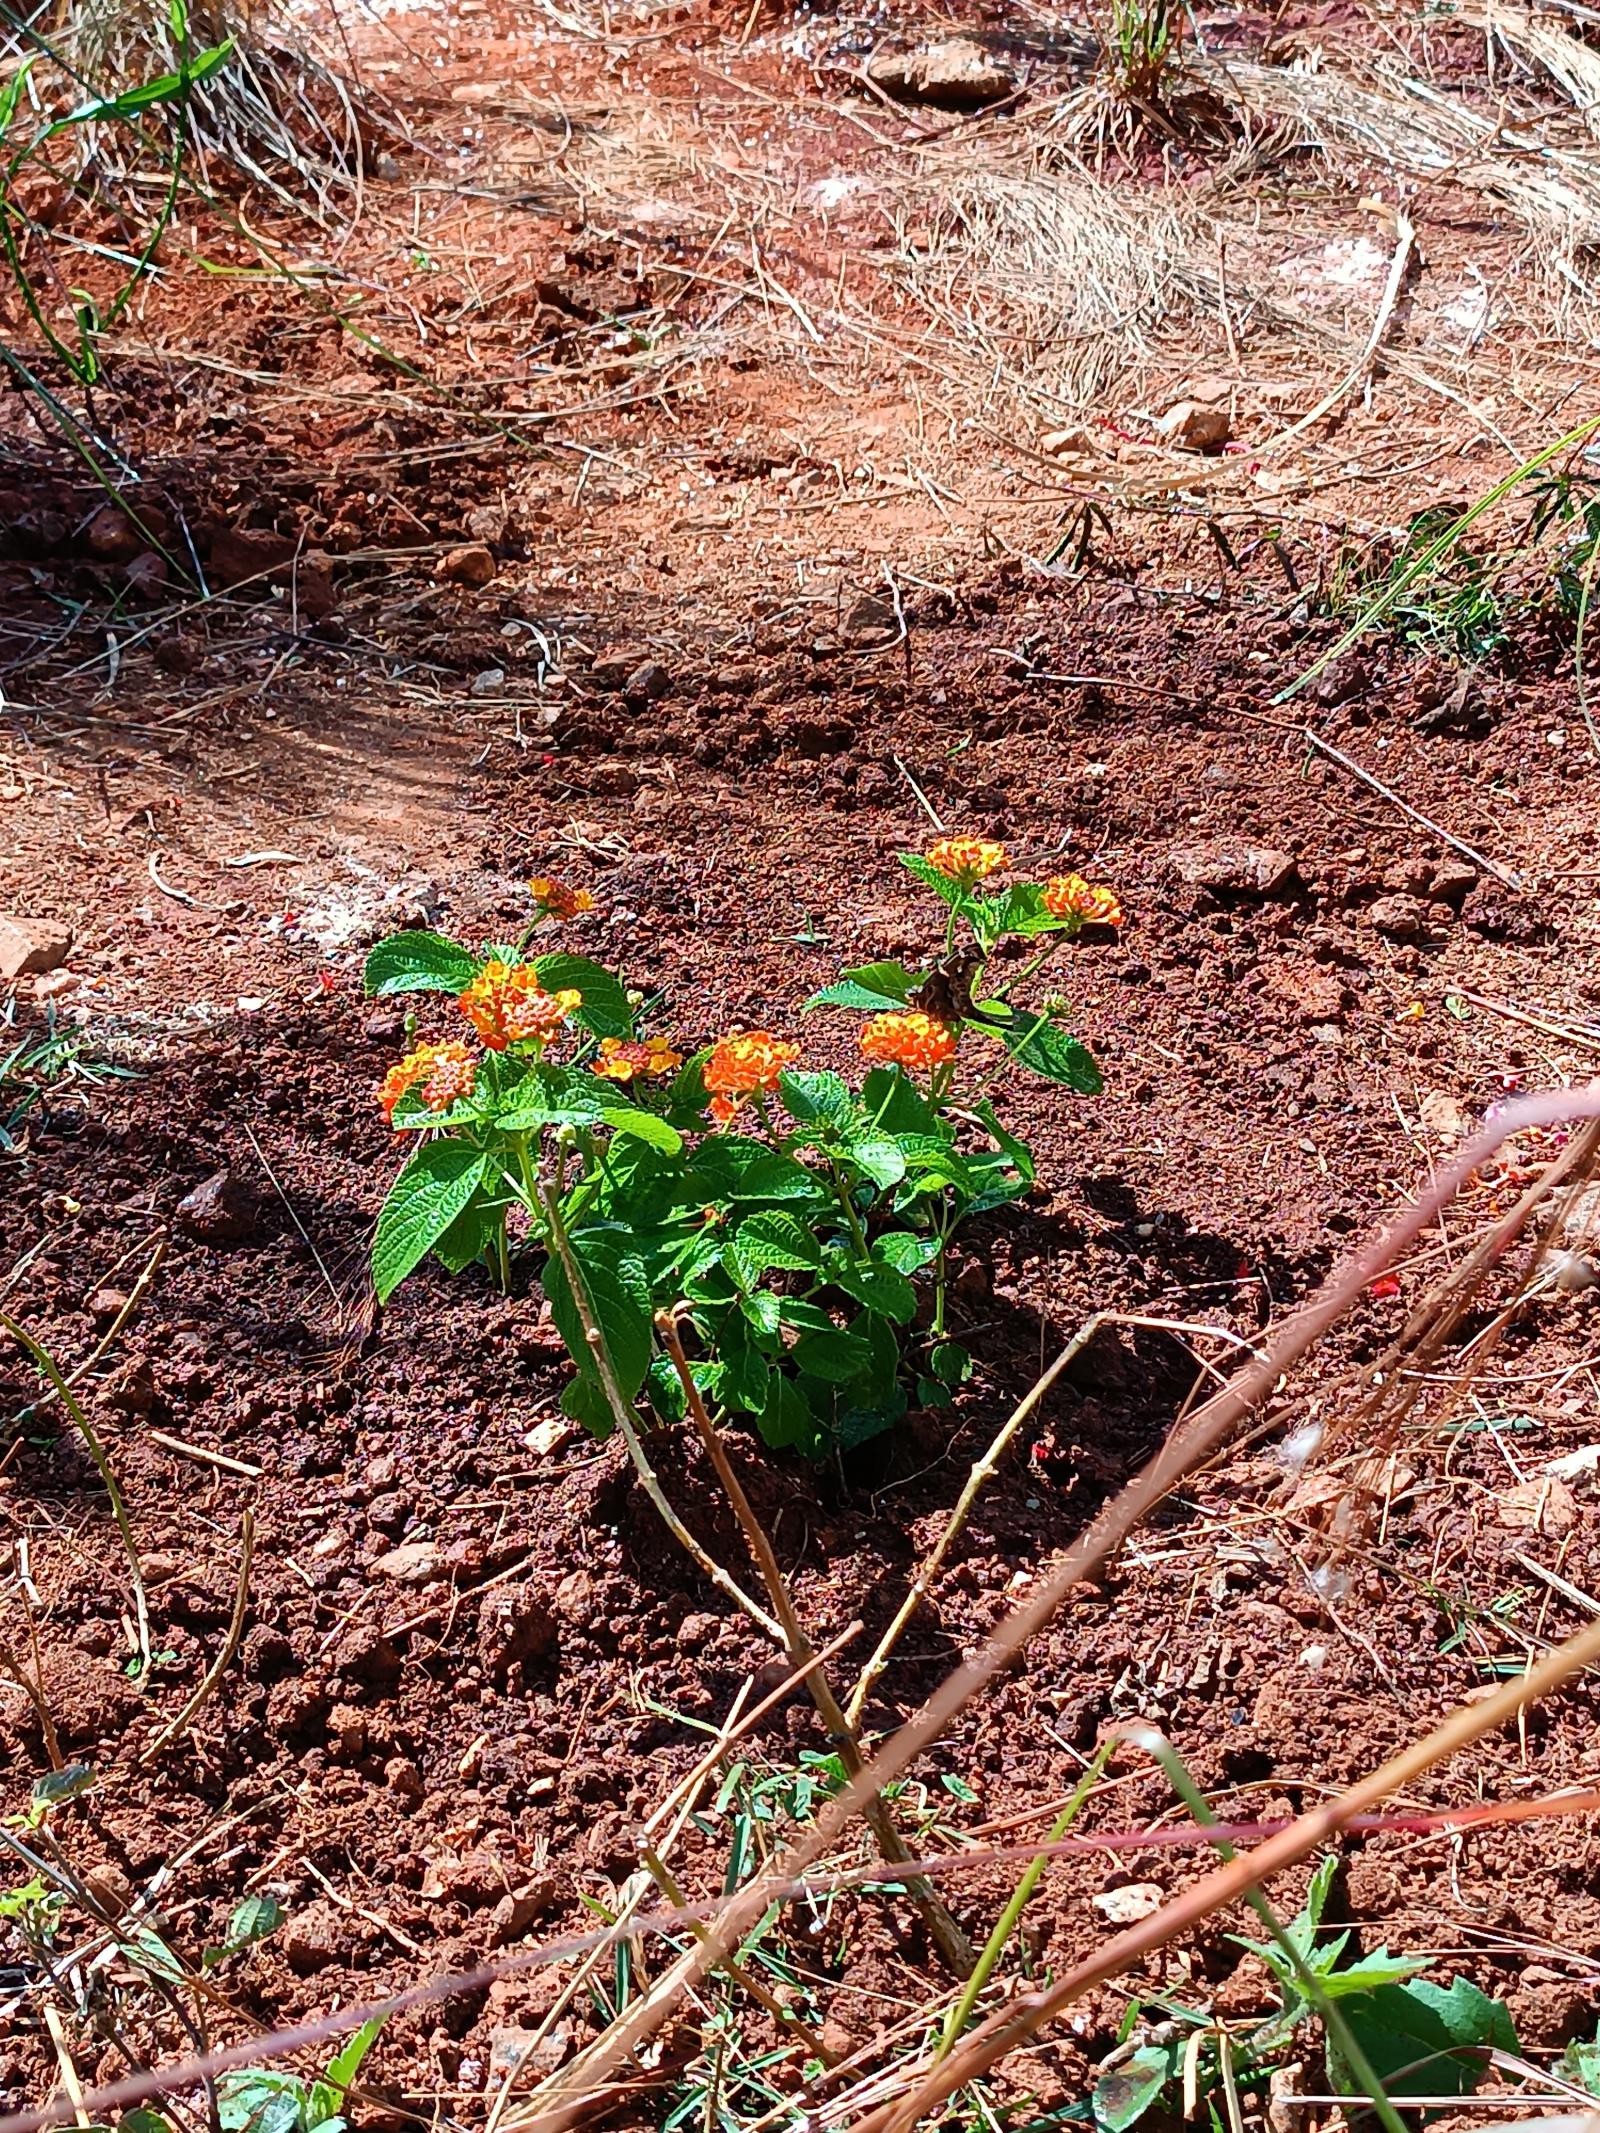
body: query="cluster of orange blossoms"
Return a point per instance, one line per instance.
(915, 1041)
(554, 899)
(747, 1062)
(506, 1004)
(967, 859)
(622, 1060)
(442, 1073)
(1070, 896)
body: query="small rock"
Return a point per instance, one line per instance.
(1341, 683)
(489, 683)
(1074, 443)
(513, 1624)
(1233, 866)
(309, 1940)
(1453, 880)
(132, 1388)
(56, 984)
(112, 537)
(347, 1733)
(574, 1600)
(146, 577)
(1126, 1906)
(369, 1658)
(30, 945)
(511, 2049)
(412, 1563)
(1543, 1505)
(547, 1437)
(1547, 2015)
(242, 555)
(870, 615)
(957, 75)
(404, 1779)
(1398, 918)
(110, 1888)
(487, 523)
(1310, 991)
(472, 564)
(1196, 427)
(388, 1513)
(383, 1027)
(647, 684)
(1372, 1887)
(222, 1210)
(105, 1305)
(1443, 1116)
(515, 1913)
(612, 669)
(157, 1568)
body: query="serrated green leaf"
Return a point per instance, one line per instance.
(873, 986)
(1580, 2063)
(834, 1356)
(819, 1099)
(950, 1363)
(895, 1105)
(905, 1251)
(618, 1289)
(879, 1287)
(604, 1011)
(734, 1168)
(1423, 2039)
(948, 891)
(877, 1157)
(644, 1126)
(470, 1234)
(1047, 1050)
(254, 1917)
(418, 962)
(423, 1202)
(785, 1421)
(775, 1239)
(346, 2063)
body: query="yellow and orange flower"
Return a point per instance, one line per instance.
(967, 859)
(915, 1041)
(747, 1062)
(558, 900)
(506, 1004)
(442, 1073)
(1095, 902)
(623, 1061)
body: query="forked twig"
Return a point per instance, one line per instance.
(224, 1658)
(952, 1942)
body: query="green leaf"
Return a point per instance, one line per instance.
(878, 1158)
(872, 986)
(256, 2102)
(762, 1311)
(344, 2066)
(905, 1251)
(1040, 1045)
(935, 1161)
(687, 1091)
(10, 91)
(1580, 2063)
(734, 1168)
(1019, 1151)
(1122, 2097)
(880, 1288)
(423, 1201)
(252, 1920)
(950, 1364)
(785, 1421)
(604, 1011)
(470, 1234)
(142, 2119)
(948, 891)
(644, 1126)
(1423, 2039)
(819, 1100)
(894, 1104)
(619, 1297)
(835, 1356)
(54, 1786)
(777, 1239)
(584, 1402)
(418, 962)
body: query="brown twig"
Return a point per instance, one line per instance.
(948, 1936)
(224, 1658)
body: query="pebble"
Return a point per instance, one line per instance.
(221, 1210)
(31, 945)
(471, 564)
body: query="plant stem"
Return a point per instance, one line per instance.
(948, 1936)
(97, 1452)
(627, 1420)
(1006, 1924)
(848, 1207)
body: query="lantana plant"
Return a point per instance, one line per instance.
(795, 1222)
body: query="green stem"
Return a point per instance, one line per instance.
(1310, 1984)
(1006, 1924)
(848, 1207)
(97, 1452)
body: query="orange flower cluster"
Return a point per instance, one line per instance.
(621, 1061)
(1070, 896)
(915, 1041)
(967, 859)
(555, 899)
(444, 1073)
(505, 1003)
(747, 1062)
